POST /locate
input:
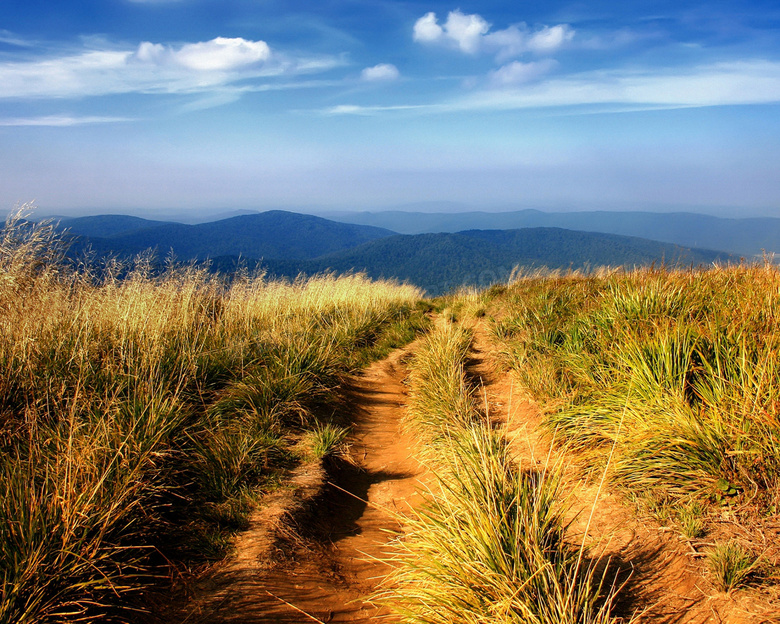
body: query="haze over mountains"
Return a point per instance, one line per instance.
(287, 244)
(743, 237)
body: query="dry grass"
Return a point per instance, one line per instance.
(140, 415)
(688, 359)
(490, 545)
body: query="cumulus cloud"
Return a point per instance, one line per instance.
(464, 31)
(380, 73)
(471, 34)
(427, 29)
(220, 54)
(153, 68)
(517, 72)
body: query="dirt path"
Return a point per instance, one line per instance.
(666, 583)
(332, 561)
(326, 571)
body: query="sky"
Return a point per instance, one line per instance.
(157, 107)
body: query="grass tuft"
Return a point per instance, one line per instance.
(730, 565)
(490, 544)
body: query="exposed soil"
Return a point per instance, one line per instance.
(315, 551)
(664, 573)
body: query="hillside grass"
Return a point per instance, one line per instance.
(490, 543)
(141, 417)
(678, 369)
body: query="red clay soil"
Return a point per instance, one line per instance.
(666, 578)
(332, 561)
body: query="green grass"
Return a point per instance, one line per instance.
(490, 544)
(730, 565)
(687, 360)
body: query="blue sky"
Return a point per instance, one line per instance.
(160, 106)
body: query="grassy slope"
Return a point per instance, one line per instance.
(140, 417)
(679, 371)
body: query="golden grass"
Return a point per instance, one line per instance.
(489, 545)
(687, 358)
(138, 415)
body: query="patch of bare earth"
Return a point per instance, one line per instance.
(314, 551)
(666, 577)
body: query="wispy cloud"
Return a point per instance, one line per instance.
(471, 34)
(60, 121)
(153, 68)
(517, 72)
(721, 84)
(9, 38)
(353, 109)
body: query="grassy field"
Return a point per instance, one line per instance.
(140, 417)
(490, 544)
(143, 413)
(678, 370)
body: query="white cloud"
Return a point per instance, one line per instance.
(379, 73)
(220, 54)
(721, 84)
(464, 31)
(354, 109)
(59, 121)
(517, 72)
(471, 34)
(6, 36)
(427, 29)
(507, 43)
(550, 38)
(153, 68)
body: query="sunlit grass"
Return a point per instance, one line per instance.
(140, 414)
(490, 543)
(688, 360)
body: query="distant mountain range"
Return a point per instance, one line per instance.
(274, 234)
(743, 237)
(287, 244)
(440, 262)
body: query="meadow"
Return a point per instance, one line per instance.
(145, 412)
(142, 413)
(674, 374)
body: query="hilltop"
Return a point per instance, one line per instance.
(745, 237)
(287, 244)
